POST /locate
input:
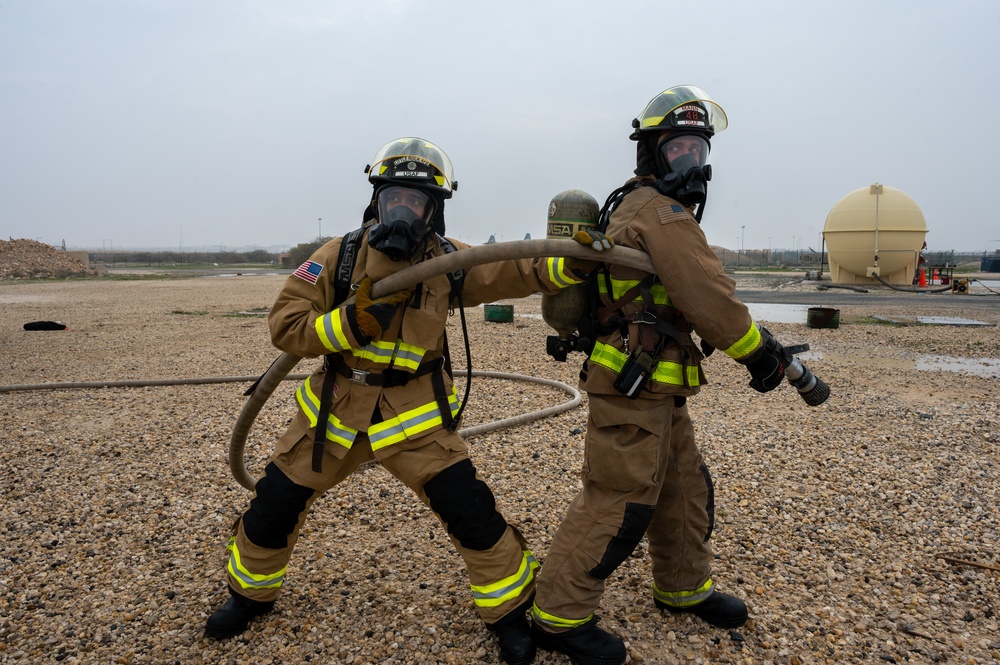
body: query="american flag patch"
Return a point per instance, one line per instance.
(309, 271)
(671, 213)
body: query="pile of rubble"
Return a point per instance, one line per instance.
(28, 259)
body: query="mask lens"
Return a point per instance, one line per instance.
(683, 152)
(391, 198)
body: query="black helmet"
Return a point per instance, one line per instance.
(415, 162)
(683, 107)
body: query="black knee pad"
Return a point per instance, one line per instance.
(710, 504)
(634, 524)
(466, 505)
(275, 511)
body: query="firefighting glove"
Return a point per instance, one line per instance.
(766, 365)
(593, 239)
(372, 317)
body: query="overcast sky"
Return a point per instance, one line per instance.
(182, 123)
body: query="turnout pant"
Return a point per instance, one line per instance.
(642, 474)
(500, 567)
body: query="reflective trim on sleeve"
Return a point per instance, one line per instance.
(498, 593)
(684, 598)
(336, 431)
(666, 371)
(538, 616)
(331, 332)
(409, 424)
(559, 272)
(746, 344)
(245, 578)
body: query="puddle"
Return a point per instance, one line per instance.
(982, 367)
(950, 321)
(988, 367)
(778, 313)
(781, 313)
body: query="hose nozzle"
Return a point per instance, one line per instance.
(813, 390)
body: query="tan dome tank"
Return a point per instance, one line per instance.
(875, 229)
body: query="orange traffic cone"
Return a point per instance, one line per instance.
(934, 279)
(923, 278)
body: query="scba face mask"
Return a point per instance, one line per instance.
(403, 214)
(682, 159)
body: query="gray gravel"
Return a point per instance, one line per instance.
(840, 525)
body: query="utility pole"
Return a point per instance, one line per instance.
(320, 237)
(743, 233)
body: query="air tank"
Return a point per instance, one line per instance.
(570, 211)
(875, 229)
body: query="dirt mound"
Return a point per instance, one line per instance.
(28, 258)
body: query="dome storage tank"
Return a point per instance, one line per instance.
(875, 229)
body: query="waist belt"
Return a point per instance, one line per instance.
(390, 378)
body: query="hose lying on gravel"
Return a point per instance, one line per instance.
(465, 259)
(236, 456)
(237, 459)
(80, 385)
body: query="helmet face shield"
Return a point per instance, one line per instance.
(415, 160)
(682, 107)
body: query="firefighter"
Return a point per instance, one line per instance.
(384, 394)
(643, 473)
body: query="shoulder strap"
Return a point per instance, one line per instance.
(457, 278)
(345, 264)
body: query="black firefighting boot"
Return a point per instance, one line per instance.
(233, 618)
(718, 609)
(585, 645)
(514, 634)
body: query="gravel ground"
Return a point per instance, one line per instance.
(839, 525)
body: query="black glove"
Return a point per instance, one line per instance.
(371, 317)
(766, 372)
(593, 239)
(766, 365)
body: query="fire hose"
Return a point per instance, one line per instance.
(439, 265)
(810, 388)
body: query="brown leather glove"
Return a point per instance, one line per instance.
(373, 316)
(593, 239)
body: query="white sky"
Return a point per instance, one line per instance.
(182, 123)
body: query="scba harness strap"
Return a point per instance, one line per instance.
(389, 378)
(655, 327)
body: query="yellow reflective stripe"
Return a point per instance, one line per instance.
(336, 431)
(245, 578)
(666, 371)
(556, 622)
(684, 598)
(398, 354)
(330, 332)
(619, 287)
(559, 272)
(409, 424)
(498, 593)
(746, 344)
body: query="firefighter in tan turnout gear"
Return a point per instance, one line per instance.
(643, 472)
(386, 395)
